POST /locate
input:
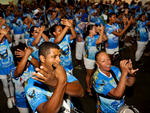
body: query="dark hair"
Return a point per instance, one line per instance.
(32, 30)
(141, 15)
(53, 28)
(44, 48)
(110, 15)
(97, 54)
(20, 46)
(89, 27)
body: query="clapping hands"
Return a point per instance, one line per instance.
(67, 22)
(20, 53)
(126, 67)
(50, 76)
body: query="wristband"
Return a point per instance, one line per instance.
(29, 58)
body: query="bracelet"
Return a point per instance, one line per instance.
(29, 58)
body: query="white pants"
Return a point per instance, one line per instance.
(149, 35)
(140, 49)
(112, 51)
(23, 110)
(18, 38)
(80, 51)
(8, 86)
(89, 64)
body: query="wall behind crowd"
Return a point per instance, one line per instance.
(128, 1)
(6, 2)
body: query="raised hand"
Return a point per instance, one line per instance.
(131, 20)
(4, 31)
(101, 29)
(124, 66)
(19, 53)
(50, 76)
(42, 28)
(67, 22)
(130, 68)
(45, 75)
(28, 51)
(60, 72)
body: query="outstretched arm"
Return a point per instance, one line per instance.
(120, 33)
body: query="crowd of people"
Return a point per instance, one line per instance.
(36, 66)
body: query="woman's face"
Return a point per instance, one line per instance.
(54, 15)
(143, 18)
(94, 30)
(58, 30)
(36, 32)
(126, 11)
(124, 19)
(103, 62)
(26, 21)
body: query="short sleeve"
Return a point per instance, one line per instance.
(29, 43)
(102, 87)
(71, 78)
(67, 37)
(35, 97)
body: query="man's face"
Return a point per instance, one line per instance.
(52, 58)
(103, 62)
(113, 18)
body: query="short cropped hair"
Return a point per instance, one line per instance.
(32, 30)
(22, 47)
(44, 48)
(97, 54)
(110, 15)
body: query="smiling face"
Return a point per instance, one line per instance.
(103, 62)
